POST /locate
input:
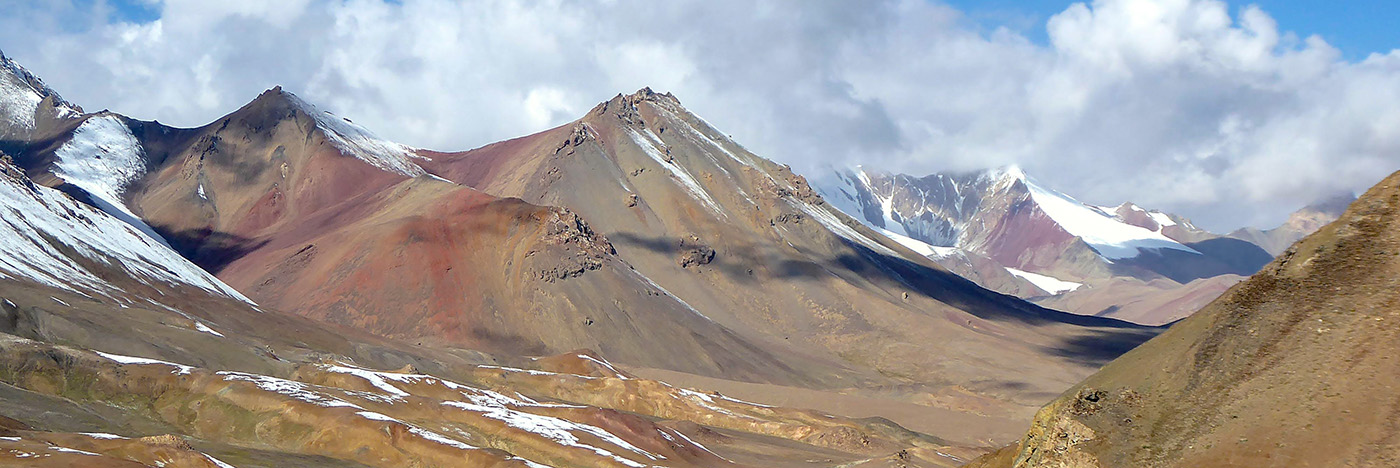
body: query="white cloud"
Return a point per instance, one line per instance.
(1175, 104)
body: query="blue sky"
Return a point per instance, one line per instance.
(1356, 27)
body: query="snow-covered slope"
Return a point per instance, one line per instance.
(1049, 284)
(354, 140)
(102, 157)
(21, 96)
(1110, 237)
(1038, 239)
(938, 210)
(52, 239)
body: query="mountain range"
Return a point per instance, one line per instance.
(253, 289)
(283, 287)
(1010, 233)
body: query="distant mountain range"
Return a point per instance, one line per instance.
(1008, 232)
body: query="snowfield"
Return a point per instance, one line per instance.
(1048, 284)
(36, 220)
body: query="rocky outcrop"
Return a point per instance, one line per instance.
(693, 253)
(577, 249)
(577, 136)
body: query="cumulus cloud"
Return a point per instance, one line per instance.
(1184, 105)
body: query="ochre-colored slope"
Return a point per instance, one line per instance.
(1294, 367)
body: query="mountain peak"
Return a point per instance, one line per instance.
(26, 102)
(347, 136)
(1008, 173)
(35, 84)
(1332, 205)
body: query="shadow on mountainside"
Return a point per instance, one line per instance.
(745, 264)
(1098, 346)
(1107, 338)
(209, 249)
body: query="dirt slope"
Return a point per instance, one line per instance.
(1293, 367)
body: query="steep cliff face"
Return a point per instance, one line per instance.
(1293, 367)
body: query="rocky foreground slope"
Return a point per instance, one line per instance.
(1294, 367)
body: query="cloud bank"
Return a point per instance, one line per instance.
(1186, 105)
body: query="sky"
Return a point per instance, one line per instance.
(1231, 114)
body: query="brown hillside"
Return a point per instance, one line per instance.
(1294, 367)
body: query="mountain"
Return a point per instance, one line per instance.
(752, 246)
(1008, 232)
(637, 233)
(1295, 359)
(117, 351)
(1301, 223)
(28, 107)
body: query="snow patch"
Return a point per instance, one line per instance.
(217, 462)
(35, 220)
(374, 378)
(678, 173)
(180, 369)
(205, 328)
(836, 226)
(556, 429)
(102, 157)
(604, 364)
(418, 431)
(298, 390)
(69, 450)
(354, 140)
(918, 246)
(18, 102)
(1162, 219)
(1048, 284)
(102, 435)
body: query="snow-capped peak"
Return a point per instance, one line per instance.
(354, 140)
(1110, 237)
(1007, 173)
(939, 210)
(21, 94)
